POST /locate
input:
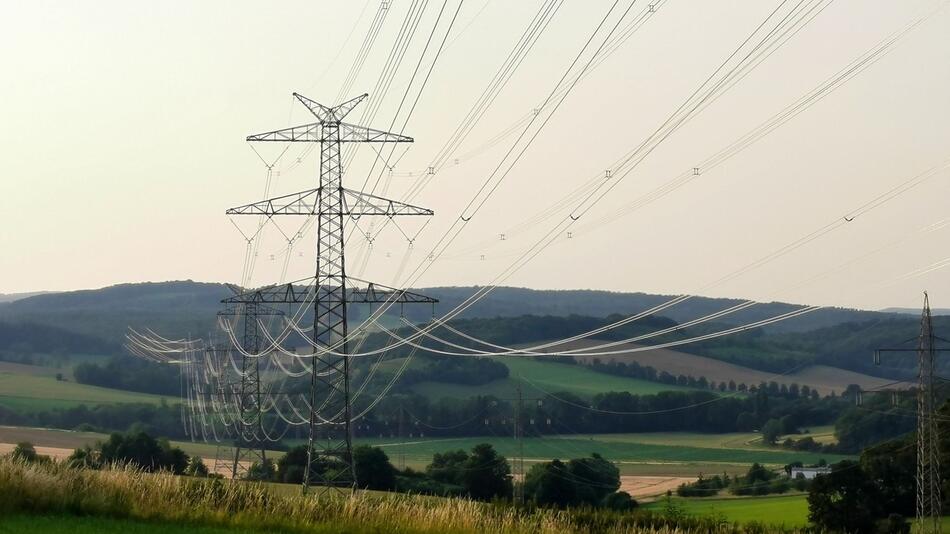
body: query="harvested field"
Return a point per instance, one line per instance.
(642, 486)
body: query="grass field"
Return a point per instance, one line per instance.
(672, 457)
(66, 524)
(783, 510)
(730, 440)
(673, 453)
(35, 392)
(545, 377)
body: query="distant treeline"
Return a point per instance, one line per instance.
(130, 373)
(646, 372)
(20, 342)
(162, 419)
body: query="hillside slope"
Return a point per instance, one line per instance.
(824, 378)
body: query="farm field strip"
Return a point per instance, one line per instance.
(31, 392)
(632, 458)
(545, 376)
(579, 446)
(729, 440)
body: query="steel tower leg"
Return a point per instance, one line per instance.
(250, 432)
(329, 447)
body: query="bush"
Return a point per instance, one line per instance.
(196, 467)
(620, 501)
(136, 449)
(373, 470)
(24, 451)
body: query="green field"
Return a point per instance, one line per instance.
(787, 510)
(729, 440)
(64, 524)
(32, 392)
(624, 449)
(545, 376)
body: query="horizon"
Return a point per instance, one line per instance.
(937, 310)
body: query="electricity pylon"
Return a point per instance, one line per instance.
(249, 444)
(329, 446)
(928, 454)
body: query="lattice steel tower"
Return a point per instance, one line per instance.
(329, 458)
(928, 454)
(928, 482)
(248, 427)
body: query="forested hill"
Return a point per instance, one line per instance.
(182, 308)
(176, 309)
(514, 301)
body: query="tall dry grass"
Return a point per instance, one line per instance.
(126, 492)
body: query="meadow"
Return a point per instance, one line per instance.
(36, 392)
(728, 440)
(545, 376)
(55, 493)
(672, 456)
(784, 510)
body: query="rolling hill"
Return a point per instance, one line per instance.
(180, 308)
(832, 337)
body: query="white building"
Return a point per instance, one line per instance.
(809, 472)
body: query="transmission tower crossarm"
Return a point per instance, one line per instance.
(289, 293)
(358, 291)
(373, 293)
(317, 133)
(308, 202)
(237, 310)
(351, 133)
(311, 133)
(358, 203)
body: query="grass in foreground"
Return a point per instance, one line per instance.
(64, 524)
(52, 490)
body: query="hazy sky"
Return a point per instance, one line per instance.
(124, 125)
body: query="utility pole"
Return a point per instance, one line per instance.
(928, 455)
(329, 444)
